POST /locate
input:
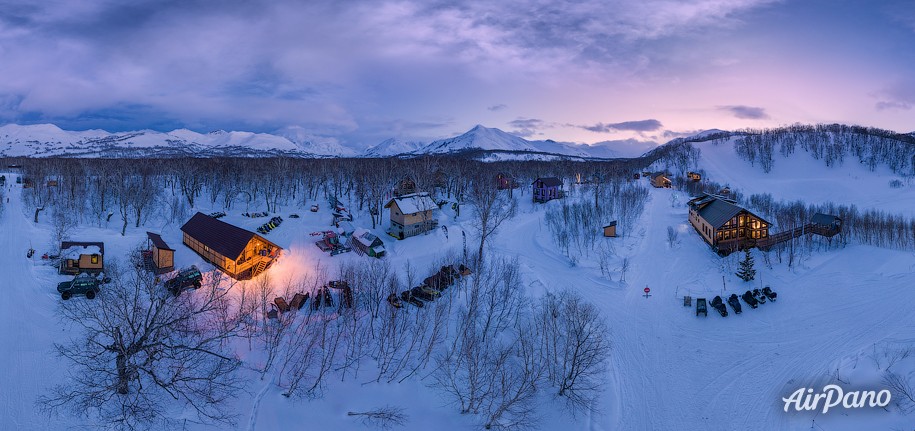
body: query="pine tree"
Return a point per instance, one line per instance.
(746, 271)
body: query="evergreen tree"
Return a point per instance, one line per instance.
(746, 271)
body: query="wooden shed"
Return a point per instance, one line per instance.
(240, 253)
(159, 257)
(610, 229)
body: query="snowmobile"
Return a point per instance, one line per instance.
(406, 296)
(418, 292)
(750, 299)
(394, 301)
(735, 303)
(769, 293)
(759, 296)
(718, 304)
(701, 307)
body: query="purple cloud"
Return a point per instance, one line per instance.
(499, 107)
(526, 127)
(632, 126)
(745, 112)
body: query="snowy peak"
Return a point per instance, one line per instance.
(479, 138)
(393, 147)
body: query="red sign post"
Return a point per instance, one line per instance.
(647, 291)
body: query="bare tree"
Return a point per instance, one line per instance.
(383, 418)
(575, 346)
(671, 236)
(902, 390)
(490, 208)
(141, 352)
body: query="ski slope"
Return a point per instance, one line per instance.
(669, 369)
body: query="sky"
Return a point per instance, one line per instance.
(361, 71)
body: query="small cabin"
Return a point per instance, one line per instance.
(411, 215)
(661, 180)
(158, 257)
(366, 243)
(610, 229)
(826, 224)
(239, 253)
(693, 176)
(725, 191)
(79, 256)
(724, 225)
(52, 183)
(547, 189)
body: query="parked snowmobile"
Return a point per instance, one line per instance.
(408, 297)
(750, 299)
(718, 304)
(735, 303)
(759, 296)
(701, 307)
(394, 301)
(769, 293)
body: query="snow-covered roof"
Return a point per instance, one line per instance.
(76, 252)
(413, 203)
(364, 236)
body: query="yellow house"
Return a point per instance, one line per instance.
(80, 256)
(411, 215)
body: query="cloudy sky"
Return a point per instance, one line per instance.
(361, 71)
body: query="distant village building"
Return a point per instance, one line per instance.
(610, 229)
(547, 189)
(240, 253)
(366, 243)
(660, 180)
(79, 256)
(724, 225)
(404, 187)
(505, 182)
(411, 215)
(693, 176)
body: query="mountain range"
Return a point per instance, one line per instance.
(48, 140)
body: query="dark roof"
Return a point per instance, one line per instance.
(157, 241)
(718, 212)
(223, 238)
(549, 181)
(658, 174)
(824, 219)
(613, 223)
(67, 244)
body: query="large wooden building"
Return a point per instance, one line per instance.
(411, 215)
(724, 225)
(661, 180)
(82, 256)
(240, 253)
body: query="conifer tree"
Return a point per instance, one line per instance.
(746, 271)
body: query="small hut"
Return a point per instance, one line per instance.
(547, 189)
(79, 256)
(158, 257)
(693, 176)
(660, 180)
(366, 243)
(610, 229)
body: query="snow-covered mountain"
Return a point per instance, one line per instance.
(393, 147)
(48, 140)
(500, 145)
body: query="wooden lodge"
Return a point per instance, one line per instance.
(660, 180)
(158, 257)
(547, 189)
(79, 256)
(610, 229)
(411, 215)
(724, 225)
(405, 186)
(239, 253)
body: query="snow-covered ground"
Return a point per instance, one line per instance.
(669, 369)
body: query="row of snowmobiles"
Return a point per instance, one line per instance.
(270, 225)
(752, 297)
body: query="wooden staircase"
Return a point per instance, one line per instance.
(259, 268)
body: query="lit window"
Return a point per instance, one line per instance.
(94, 259)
